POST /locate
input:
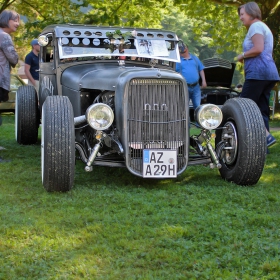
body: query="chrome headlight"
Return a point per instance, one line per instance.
(100, 116)
(208, 116)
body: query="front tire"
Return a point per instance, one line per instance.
(241, 144)
(26, 115)
(57, 144)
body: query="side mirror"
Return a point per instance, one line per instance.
(43, 40)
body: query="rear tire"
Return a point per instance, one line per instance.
(26, 115)
(57, 144)
(243, 161)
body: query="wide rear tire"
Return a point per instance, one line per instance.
(243, 153)
(57, 144)
(26, 115)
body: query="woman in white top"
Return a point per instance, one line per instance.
(261, 73)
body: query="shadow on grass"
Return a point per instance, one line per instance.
(27, 161)
(121, 178)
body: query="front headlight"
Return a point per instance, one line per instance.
(100, 116)
(208, 116)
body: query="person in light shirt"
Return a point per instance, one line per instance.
(261, 73)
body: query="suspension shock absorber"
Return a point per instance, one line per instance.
(94, 151)
(213, 155)
(206, 136)
(92, 156)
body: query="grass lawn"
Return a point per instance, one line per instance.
(114, 225)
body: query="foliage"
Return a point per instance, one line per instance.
(5, 4)
(35, 15)
(215, 21)
(39, 14)
(135, 13)
(114, 225)
(118, 34)
(199, 43)
(220, 19)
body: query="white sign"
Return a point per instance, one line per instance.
(151, 47)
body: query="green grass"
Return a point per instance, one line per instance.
(113, 225)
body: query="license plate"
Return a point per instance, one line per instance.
(159, 163)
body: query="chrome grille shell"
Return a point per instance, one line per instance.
(156, 119)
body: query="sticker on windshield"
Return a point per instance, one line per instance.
(68, 50)
(151, 48)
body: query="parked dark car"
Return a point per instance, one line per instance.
(219, 74)
(9, 106)
(110, 96)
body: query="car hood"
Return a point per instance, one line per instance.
(105, 76)
(101, 76)
(218, 72)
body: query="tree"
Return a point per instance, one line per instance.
(201, 45)
(184, 28)
(220, 19)
(35, 15)
(5, 4)
(138, 13)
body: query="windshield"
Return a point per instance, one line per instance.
(119, 46)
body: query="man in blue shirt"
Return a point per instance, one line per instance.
(31, 67)
(191, 69)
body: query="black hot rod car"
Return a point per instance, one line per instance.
(110, 96)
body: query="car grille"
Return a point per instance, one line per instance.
(156, 119)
